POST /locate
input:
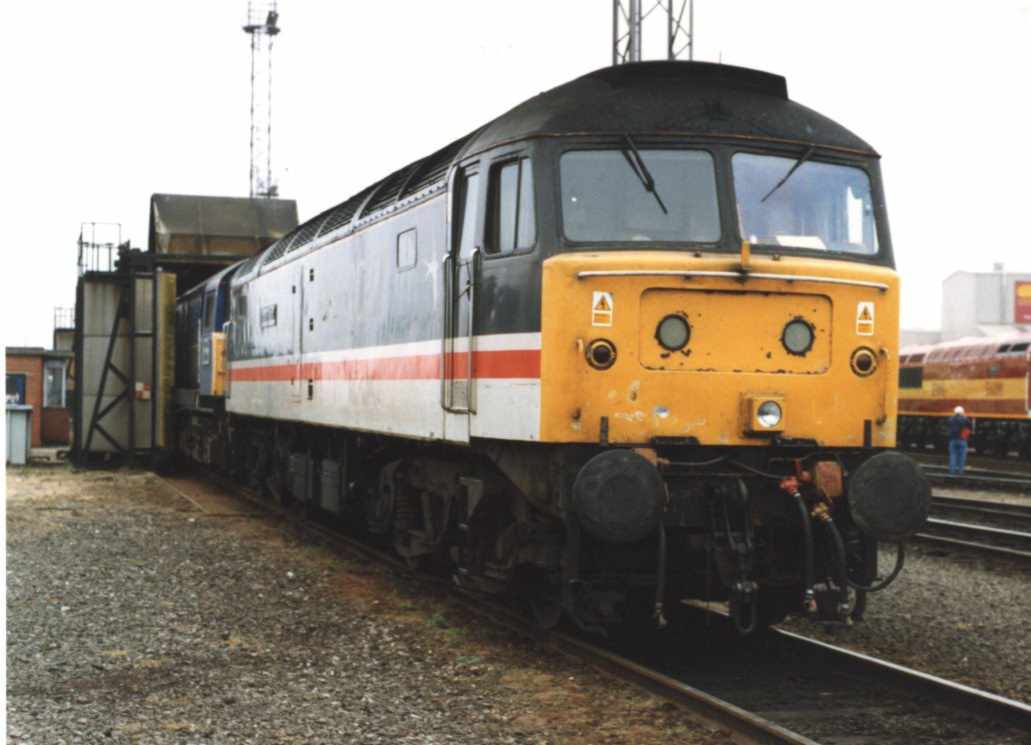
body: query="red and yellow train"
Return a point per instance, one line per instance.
(989, 378)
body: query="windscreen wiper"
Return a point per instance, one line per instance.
(805, 156)
(637, 164)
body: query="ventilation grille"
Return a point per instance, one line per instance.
(342, 213)
(434, 167)
(279, 247)
(387, 191)
(248, 265)
(306, 233)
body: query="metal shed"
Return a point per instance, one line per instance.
(217, 227)
(125, 317)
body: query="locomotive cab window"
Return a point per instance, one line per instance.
(513, 224)
(209, 310)
(800, 203)
(911, 377)
(468, 190)
(639, 194)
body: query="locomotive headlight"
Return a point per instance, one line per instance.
(673, 332)
(798, 336)
(769, 414)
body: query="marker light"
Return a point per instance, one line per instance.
(864, 361)
(601, 354)
(797, 336)
(673, 332)
(769, 414)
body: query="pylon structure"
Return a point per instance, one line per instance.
(629, 17)
(262, 26)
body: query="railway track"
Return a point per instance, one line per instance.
(1011, 481)
(778, 687)
(833, 696)
(991, 528)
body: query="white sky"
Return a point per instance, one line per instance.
(107, 102)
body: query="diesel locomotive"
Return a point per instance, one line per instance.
(631, 345)
(990, 378)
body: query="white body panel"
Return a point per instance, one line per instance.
(394, 389)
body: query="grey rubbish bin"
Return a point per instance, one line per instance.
(19, 433)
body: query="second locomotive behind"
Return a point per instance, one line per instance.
(632, 343)
(989, 377)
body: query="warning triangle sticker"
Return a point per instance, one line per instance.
(864, 314)
(602, 304)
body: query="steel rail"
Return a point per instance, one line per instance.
(710, 707)
(947, 692)
(716, 711)
(978, 537)
(998, 480)
(983, 507)
(705, 705)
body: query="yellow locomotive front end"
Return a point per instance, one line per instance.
(719, 337)
(718, 351)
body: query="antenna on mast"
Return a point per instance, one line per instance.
(262, 26)
(628, 18)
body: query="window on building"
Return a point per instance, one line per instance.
(15, 388)
(513, 223)
(53, 384)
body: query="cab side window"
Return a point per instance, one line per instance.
(209, 310)
(513, 222)
(466, 218)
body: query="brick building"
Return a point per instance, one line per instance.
(37, 377)
(25, 384)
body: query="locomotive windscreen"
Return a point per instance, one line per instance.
(791, 203)
(639, 195)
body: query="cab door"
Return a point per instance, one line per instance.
(461, 279)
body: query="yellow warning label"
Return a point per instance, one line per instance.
(864, 319)
(602, 309)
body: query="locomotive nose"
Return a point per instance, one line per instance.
(888, 497)
(618, 497)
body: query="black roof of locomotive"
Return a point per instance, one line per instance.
(642, 98)
(690, 98)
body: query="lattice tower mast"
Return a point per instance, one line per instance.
(628, 18)
(262, 26)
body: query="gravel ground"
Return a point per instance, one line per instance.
(952, 614)
(135, 618)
